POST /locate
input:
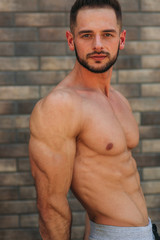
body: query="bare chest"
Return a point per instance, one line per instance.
(109, 127)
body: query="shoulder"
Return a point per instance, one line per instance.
(59, 111)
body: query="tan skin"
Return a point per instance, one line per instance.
(82, 135)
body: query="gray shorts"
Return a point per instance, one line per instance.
(105, 232)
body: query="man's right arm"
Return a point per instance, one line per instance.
(52, 150)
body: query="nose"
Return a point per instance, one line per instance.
(97, 45)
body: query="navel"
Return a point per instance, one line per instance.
(109, 146)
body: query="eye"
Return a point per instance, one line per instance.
(87, 36)
(108, 35)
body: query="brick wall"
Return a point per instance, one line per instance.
(34, 57)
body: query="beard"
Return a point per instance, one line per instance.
(102, 69)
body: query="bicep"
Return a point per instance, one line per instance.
(52, 167)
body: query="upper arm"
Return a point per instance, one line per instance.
(52, 148)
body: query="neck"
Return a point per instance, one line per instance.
(95, 81)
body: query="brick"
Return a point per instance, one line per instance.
(147, 5)
(40, 49)
(44, 91)
(150, 33)
(68, 4)
(78, 218)
(9, 221)
(6, 49)
(14, 122)
(17, 93)
(150, 90)
(128, 62)
(147, 159)
(6, 122)
(57, 63)
(114, 77)
(18, 34)
(50, 5)
(40, 19)
(68, 20)
(132, 33)
(6, 20)
(151, 145)
(132, 6)
(140, 19)
(151, 187)
(29, 220)
(68, 51)
(128, 90)
(140, 48)
(7, 78)
(143, 104)
(151, 61)
(70, 194)
(24, 164)
(153, 201)
(16, 179)
(8, 165)
(13, 150)
(154, 214)
(77, 232)
(151, 173)
(23, 135)
(151, 118)
(52, 34)
(27, 192)
(20, 234)
(40, 77)
(149, 132)
(75, 205)
(22, 121)
(7, 136)
(8, 193)
(137, 149)
(139, 76)
(137, 116)
(16, 207)
(18, 64)
(25, 107)
(18, 5)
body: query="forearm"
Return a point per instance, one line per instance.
(55, 226)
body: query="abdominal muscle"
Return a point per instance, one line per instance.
(109, 189)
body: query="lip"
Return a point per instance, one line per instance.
(98, 57)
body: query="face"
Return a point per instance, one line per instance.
(99, 55)
(97, 39)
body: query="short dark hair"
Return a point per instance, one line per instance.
(80, 4)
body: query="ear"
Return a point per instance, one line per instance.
(70, 40)
(122, 39)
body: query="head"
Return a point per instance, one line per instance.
(82, 4)
(95, 34)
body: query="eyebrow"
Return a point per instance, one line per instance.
(110, 30)
(90, 31)
(85, 31)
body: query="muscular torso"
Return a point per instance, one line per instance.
(105, 177)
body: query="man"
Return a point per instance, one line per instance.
(82, 135)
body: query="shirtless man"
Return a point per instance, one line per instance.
(82, 135)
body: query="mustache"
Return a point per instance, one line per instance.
(98, 53)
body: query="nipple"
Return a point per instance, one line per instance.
(109, 146)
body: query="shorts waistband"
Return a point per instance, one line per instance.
(106, 232)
